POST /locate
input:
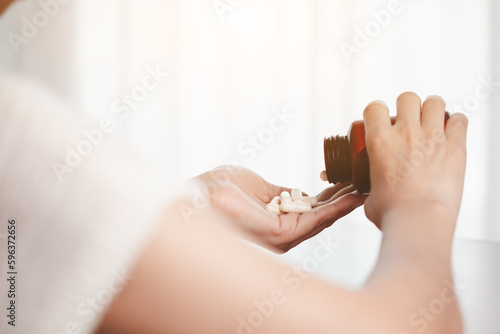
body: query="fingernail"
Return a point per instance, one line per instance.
(378, 102)
(437, 97)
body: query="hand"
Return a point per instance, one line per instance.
(417, 163)
(242, 195)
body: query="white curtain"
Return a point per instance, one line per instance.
(493, 152)
(261, 82)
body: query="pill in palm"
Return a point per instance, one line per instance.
(285, 197)
(296, 195)
(294, 202)
(276, 200)
(273, 208)
(296, 207)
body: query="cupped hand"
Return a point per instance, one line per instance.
(243, 195)
(417, 164)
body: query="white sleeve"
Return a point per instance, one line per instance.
(77, 235)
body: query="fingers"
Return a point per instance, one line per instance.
(408, 109)
(376, 116)
(456, 129)
(346, 190)
(433, 111)
(326, 194)
(325, 215)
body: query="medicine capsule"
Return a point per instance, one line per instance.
(273, 208)
(276, 200)
(285, 197)
(295, 202)
(296, 195)
(296, 207)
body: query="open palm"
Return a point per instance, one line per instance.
(242, 195)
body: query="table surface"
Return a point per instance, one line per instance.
(476, 267)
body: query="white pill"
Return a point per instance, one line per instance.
(276, 200)
(285, 197)
(297, 207)
(311, 200)
(296, 195)
(323, 176)
(273, 208)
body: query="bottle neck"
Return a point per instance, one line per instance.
(338, 159)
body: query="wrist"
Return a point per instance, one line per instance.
(419, 236)
(431, 213)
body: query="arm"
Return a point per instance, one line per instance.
(199, 278)
(417, 171)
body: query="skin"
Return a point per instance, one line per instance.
(200, 277)
(242, 195)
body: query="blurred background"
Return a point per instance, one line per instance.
(260, 83)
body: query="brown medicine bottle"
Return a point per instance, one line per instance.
(346, 158)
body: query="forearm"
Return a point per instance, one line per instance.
(417, 239)
(414, 271)
(202, 269)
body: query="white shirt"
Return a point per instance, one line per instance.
(78, 233)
